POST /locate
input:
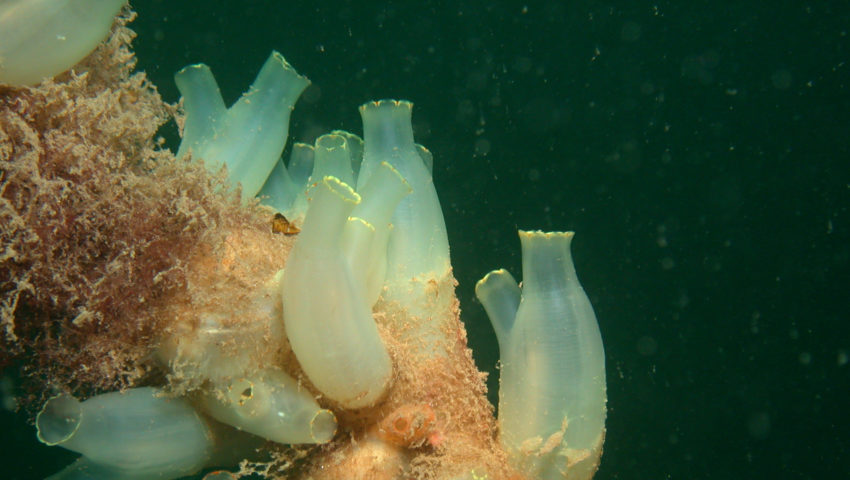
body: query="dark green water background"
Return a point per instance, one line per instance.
(699, 150)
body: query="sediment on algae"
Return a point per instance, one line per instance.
(98, 222)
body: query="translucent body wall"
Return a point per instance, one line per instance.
(314, 334)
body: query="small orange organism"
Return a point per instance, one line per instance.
(281, 225)
(409, 426)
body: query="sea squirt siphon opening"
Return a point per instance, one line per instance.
(323, 426)
(58, 420)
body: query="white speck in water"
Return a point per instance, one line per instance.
(482, 147)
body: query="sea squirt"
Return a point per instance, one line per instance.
(341, 329)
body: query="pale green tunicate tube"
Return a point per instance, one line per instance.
(280, 190)
(301, 161)
(271, 405)
(249, 137)
(327, 319)
(418, 245)
(286, 188)
(552, 385)
(331, 157)
(42, 38)
(354, 144)
(138, 433)
(367, 231)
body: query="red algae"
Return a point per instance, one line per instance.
(98, 222)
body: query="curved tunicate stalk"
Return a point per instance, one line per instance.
(327, 320)
(139, 433)
(272, 405)
(367, 231)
